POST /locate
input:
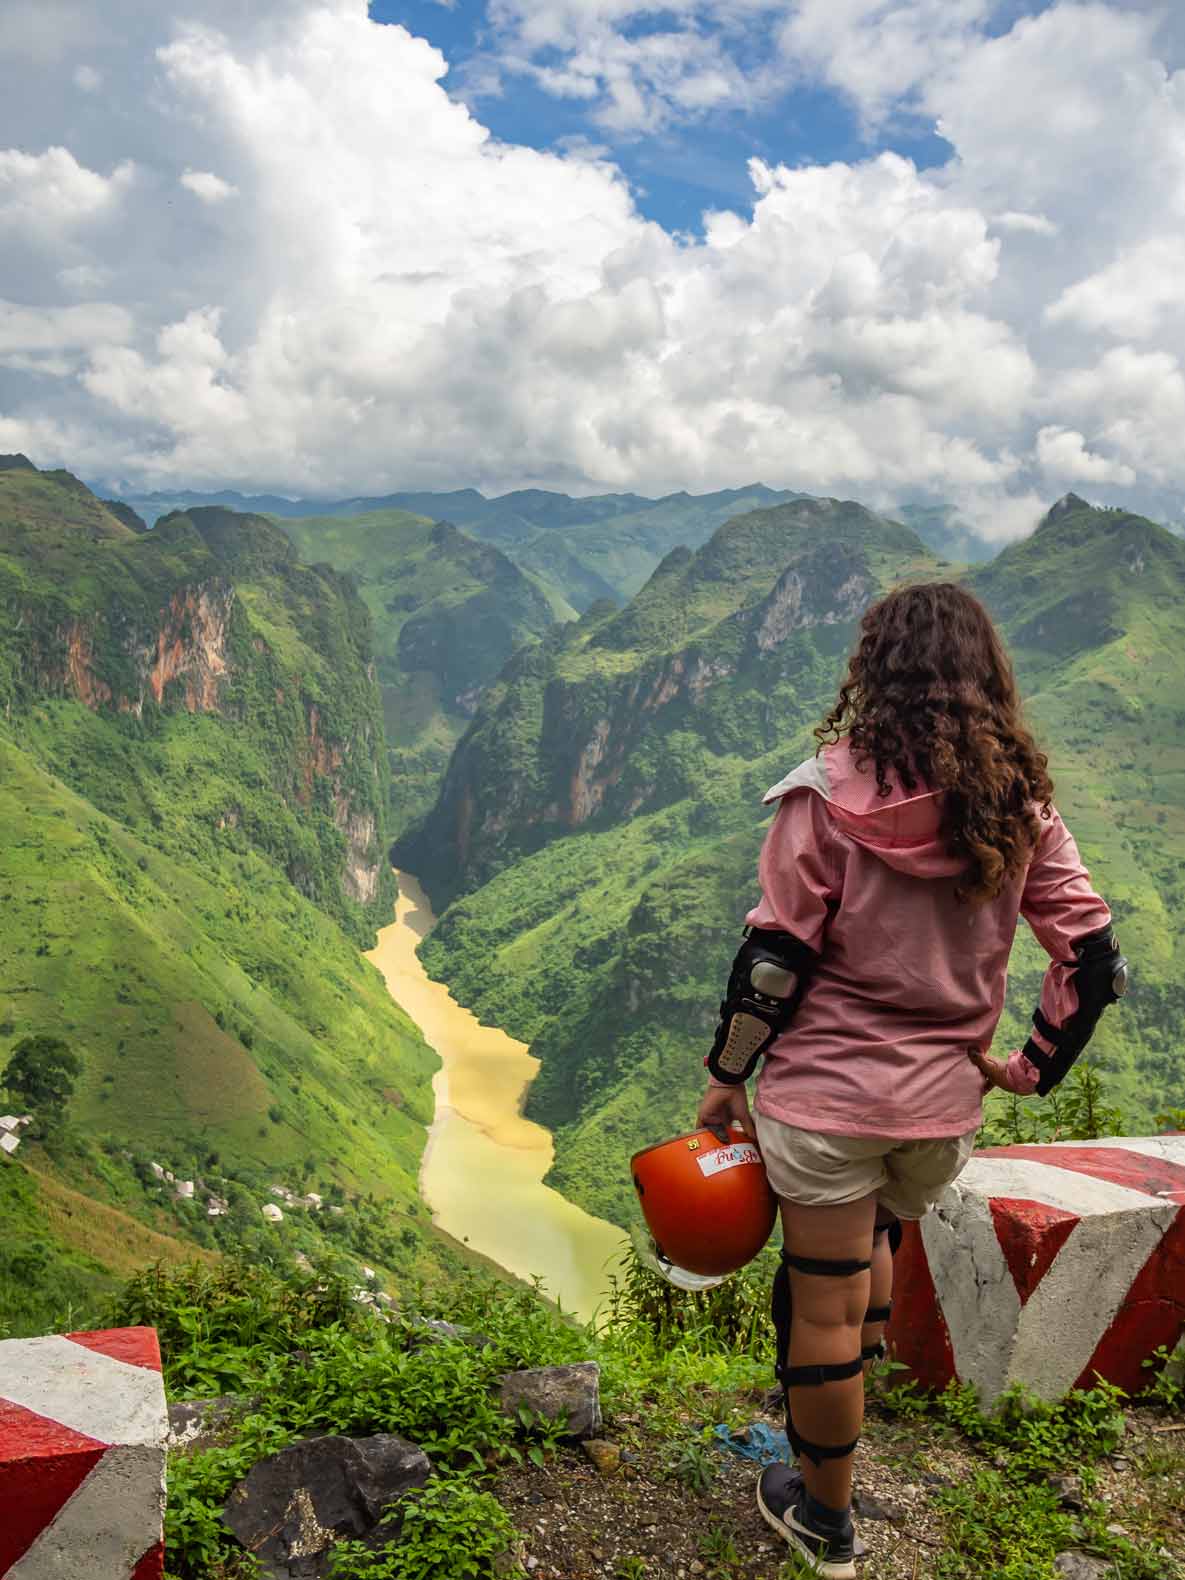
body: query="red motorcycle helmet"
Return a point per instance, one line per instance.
(707, 1202)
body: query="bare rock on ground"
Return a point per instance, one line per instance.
(605, 1456)
(430, 1330)
(203, 1423)
(554, 1391)
(292, 1507)
(1075, 1565)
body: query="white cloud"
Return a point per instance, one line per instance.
(1062, 454)
(880, 52)
(398, 299)
(207, 186)
(60, 328)
(1033, 224)
(1132, 296)
(51, 192)
(88, 79)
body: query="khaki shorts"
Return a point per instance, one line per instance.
(818, 1170)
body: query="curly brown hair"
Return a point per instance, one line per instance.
(930, 696)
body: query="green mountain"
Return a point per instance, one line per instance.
(613, 557)
(193, 785)
(598, 829)
(446, 613)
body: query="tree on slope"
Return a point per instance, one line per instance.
(40, 1078)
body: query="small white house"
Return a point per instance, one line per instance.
(184, 1190)
(272, 1213)
(9, 1142)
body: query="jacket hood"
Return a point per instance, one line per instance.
(902, 829)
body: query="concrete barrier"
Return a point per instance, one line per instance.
(83, 1425)
(1045, 1265)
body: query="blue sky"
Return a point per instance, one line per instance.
(678, 173)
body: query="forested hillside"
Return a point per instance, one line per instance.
(193, 788)
(598, 827)
(446, 613)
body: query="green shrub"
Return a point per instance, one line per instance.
(450, 1531)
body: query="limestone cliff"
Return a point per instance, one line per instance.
(601, 720)
(211, 615)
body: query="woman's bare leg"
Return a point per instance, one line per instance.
(827, 1315)
(880, 1292)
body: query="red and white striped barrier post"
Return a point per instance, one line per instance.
(83, 1424)
(1045, 1265)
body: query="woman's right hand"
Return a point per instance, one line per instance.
(724, 1106)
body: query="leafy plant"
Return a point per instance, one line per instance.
(449, 1530)
(40, 1076)
(693, 1463)
(1168, 1387)
(630, 1569)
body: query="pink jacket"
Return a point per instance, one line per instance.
(909, 978)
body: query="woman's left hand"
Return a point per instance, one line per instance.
(995, 1073)
(722, 1106)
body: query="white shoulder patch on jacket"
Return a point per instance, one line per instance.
(810, 775)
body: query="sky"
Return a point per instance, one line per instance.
(892, 250)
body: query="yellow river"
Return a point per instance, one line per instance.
(482, 1174)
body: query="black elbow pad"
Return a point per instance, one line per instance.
(769, 977)
(1101, 979)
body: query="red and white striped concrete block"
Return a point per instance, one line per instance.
(83, 1424)
(1045, 1265)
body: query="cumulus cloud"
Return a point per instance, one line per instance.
(396, 298)
(207, 186)
(51, 192)
(1062, 454)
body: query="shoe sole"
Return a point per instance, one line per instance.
(830, 1568)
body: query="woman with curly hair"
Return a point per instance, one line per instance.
(872, 976)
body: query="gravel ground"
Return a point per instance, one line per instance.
(581, 1523)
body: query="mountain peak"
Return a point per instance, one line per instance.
(1066, 507)
(16, 463)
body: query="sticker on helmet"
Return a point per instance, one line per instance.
(721, 1158)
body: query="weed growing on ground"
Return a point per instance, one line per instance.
(450, 1530)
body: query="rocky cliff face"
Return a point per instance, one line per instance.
(184, 649)
(601, 720)
(211, 615)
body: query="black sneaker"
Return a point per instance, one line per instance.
(782, 1499)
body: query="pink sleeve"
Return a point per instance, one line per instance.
(800, 870)
(1060, 906)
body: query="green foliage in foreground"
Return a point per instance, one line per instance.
(666, 1362)
(450, 1531)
